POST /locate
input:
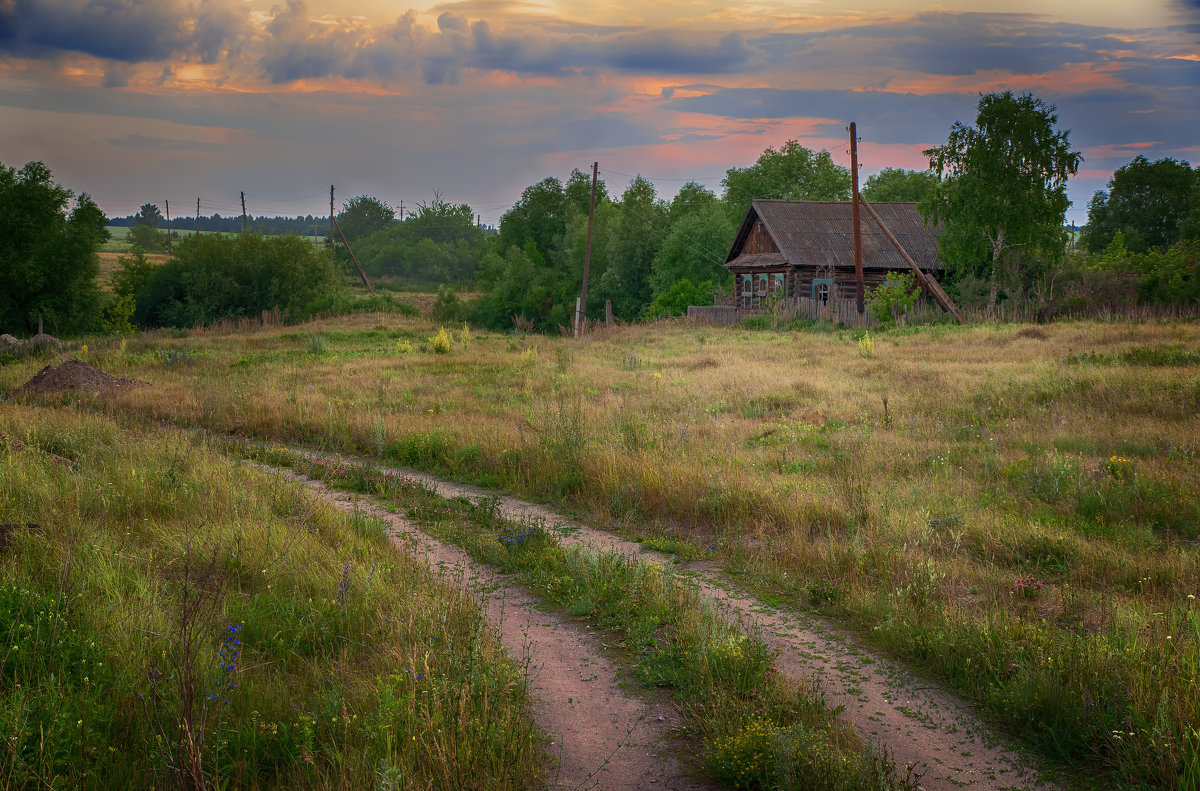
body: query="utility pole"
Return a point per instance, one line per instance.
(331, 214)
(581, 316)
(243, 212)
(401, 211)
(197, 216)
(168, 205)
(858, 262)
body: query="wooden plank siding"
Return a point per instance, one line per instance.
(759, 240)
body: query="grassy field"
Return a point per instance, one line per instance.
(1014, 509)
(172, 619)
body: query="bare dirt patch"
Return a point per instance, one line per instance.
(603, 737)
(76, 375)
(920, 723)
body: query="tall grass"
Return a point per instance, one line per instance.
(1065, 454)
(759, 730)
(170, 619)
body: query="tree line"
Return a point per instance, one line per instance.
(997, 188)
(149, 215)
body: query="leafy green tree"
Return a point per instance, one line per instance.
(518, 282)
(691, 198)
(791, 173)
(1004, 196)
(147, 238)
(1148, 202)
(149, 215)
(578, 191)
(694, 249)
(899, 185)
(540, 216)
(440, 243)
(634, 242)
(364, 215)
(48, 262)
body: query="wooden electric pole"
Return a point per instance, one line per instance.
(243, 212)
(581, 317)
(854, 215)
(168, 205)
(350, 250)
(331, 215)
(197, 216)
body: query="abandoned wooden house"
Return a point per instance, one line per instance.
(796, 251)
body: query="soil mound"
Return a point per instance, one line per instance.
(75, 375)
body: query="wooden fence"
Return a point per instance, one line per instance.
(836, 311)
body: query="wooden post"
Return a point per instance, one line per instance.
(927, 282)
(361, 274)
(168, 204)
(587, 250)
(243, 212)
(858, 262)
(608, 316)
(578, 316)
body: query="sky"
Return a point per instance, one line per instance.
(138, 101)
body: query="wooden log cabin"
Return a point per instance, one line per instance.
(789, 249)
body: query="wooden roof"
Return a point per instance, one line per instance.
(821, 233)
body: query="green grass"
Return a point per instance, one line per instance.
(171, 619)
(994, 463)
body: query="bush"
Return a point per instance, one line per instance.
(147, 238)
(213, 277)
(675, 300)
(446, 305)
(441, 343)
(891, 299)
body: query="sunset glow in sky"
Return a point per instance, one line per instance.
(138, 101)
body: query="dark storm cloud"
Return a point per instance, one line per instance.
(116, 29)
(104, 28)
(298, 47)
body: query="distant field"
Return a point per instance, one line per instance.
(119, 241)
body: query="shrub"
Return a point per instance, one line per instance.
(446, 305)
(675, 300)
(117, 315)
(441, 343)
(866, 346)
(893, 298)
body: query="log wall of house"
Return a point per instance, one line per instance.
(800, 281)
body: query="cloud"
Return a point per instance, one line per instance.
(946, 43)
(299, 47)
(118, 30)
(891, 117)
(1161, 72)
(150, 143)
